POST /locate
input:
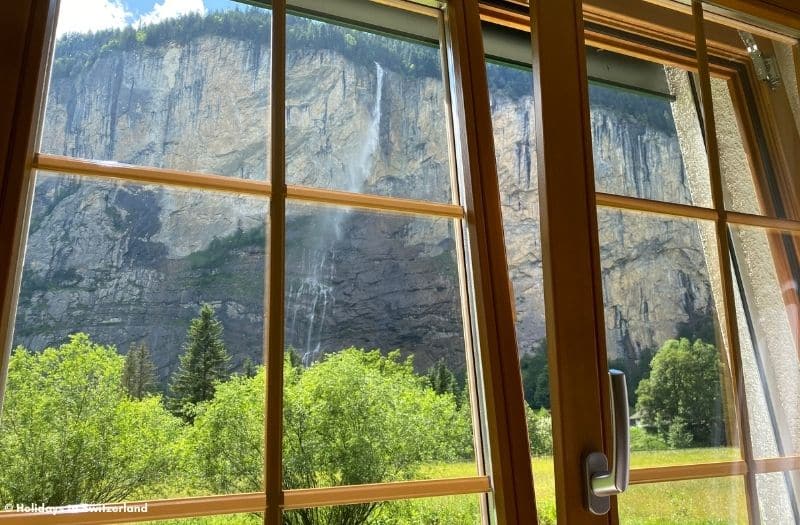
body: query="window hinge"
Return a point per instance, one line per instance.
(766, 66)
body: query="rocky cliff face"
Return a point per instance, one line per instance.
(132, 263)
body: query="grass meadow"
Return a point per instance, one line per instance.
(691, 502)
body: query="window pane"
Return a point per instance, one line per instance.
(697, 501)
(777, 497)
(660, 287)
(740, 190)
(375, 381)
(758, 121)
(646, 134)
(768, 316)
(447, 510)
(184, 89)
(365, 112)
(512, 120)
(139, 324)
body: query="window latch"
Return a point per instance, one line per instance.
(602, 483)
(766, 66)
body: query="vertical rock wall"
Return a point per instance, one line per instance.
(128, 263)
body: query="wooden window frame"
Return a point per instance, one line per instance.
(714, 55)
(32, 23)
(495, 381)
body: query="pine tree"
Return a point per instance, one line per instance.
(441, 379)
(248, 367)
(203, 364)
(139, 372)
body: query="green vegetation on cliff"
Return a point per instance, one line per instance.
(77, 52)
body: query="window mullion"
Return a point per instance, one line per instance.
(163, 177)
(687, 472)
(724, 255)
(491, 304)
(476, 399)
(274, 281)
(385, 491)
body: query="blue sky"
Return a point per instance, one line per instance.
(80, 16)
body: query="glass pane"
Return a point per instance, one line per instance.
(778, 497)
(447, 510)
(173, 85)
(365, 111)
(646, 130)
(138, 328)
(758, 117)
(646, 135)
(766, 273)
(512, 121)
(660, 287)
(692, 502)
(375, 382)
(740, 189)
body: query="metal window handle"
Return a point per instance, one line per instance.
(602, 483)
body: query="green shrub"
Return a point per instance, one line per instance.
(540, 431)
(360, 417)
(354, 417)
(71, 434)
(226, 442)
(641, 440)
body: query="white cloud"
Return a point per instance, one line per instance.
(171, 9)
(82, 16)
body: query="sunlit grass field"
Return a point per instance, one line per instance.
(705, 501)
(693, 502)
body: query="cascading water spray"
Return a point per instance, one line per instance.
(360, 169)
(312, 299)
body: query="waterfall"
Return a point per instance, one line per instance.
(309, 301)
(359, 170)
(311, 298)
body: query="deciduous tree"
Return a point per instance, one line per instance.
(682, 398)
(71, 434)
(354, 417)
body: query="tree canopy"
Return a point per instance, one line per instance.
(682, 398)
(535, 376)
(70, 433)
(354, 417)
(75, 52)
